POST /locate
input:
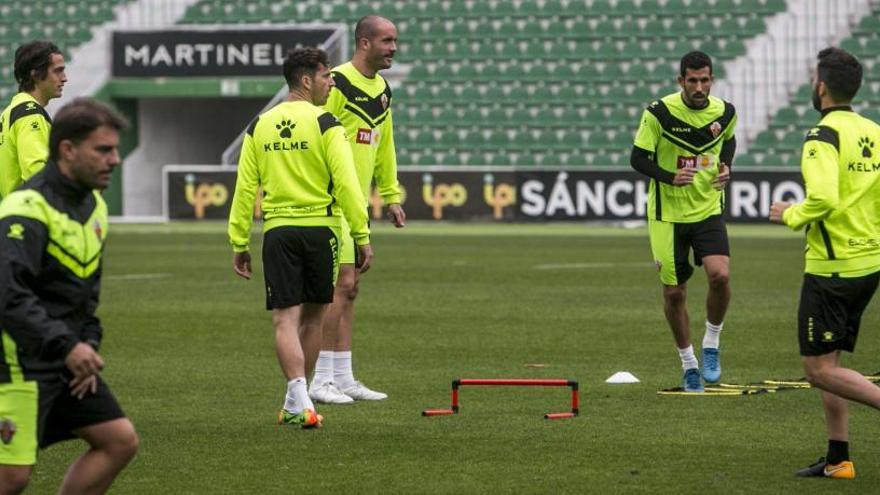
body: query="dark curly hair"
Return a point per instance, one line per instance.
(301, 62)
(33, 56)
(841, 72)
(694, 60)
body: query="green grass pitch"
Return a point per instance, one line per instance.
(189, 354)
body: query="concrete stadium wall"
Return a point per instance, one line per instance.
(180, 131)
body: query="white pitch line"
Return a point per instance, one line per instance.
(583, 266)
(138, 276)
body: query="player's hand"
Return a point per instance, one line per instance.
(83, 361)
(777, 209)
(723, 177)
(396, 215)
(684, 177)
(80, 386)
(365, 257)
(241, 264)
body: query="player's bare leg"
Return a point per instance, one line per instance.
(838, 385)
(311, 322)
(824, 372)
(339, 313)
(717, 300)
(112, 445)
(290, 323)
(675, 309)
(338, 332)
(14, 479)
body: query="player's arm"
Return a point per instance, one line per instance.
(92, 333)
(819, 166)
(642, 161)
(345, 182)
(385, 173)
(23, 242)
(32, 138)
(643, 158)
(241, 214)
(728, 146)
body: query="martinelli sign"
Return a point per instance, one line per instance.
(194, 52)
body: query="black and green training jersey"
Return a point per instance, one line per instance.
(297, 153)
(363, 105)
(24, 141)
(841, 169)
(678, 136)
(52, 234)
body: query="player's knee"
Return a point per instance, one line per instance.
(815, 374)
(124, 444)
(347, 288)
(675, 296)
(719, 279)
(14, 480)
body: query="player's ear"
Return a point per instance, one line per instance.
(66, 149)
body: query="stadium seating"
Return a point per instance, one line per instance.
(68, 23)
(536, 82)
(781, 142)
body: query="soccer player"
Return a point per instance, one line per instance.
(24, 124)
(362, 102)
(298, 154)
(685, 144)
(52, 233)
(841, 212)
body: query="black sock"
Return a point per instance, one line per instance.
(837, 452)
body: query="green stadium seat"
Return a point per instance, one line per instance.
(765, 140)
(787, 115)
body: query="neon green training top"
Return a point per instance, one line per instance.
(679, 136)
(841, 169)
(363, 105)
(24, 141)
(298, 154)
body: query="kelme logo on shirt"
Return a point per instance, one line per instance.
(286, 127)
(867, 145)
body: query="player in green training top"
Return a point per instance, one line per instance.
(24, 124)
(361, 100)
(685, 144)
(298, 154)
(841, 214)
(52, 236)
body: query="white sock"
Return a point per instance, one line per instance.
(297, 397)
(342, 374)
(713, 332)
(323, 369)
(688, 359)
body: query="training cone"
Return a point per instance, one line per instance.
(622, 377)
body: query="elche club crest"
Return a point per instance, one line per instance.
(384, 101)
(715, 129)
(99, 231)
(7, 430)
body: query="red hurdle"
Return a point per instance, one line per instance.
(520, 382)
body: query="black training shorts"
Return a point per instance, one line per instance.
(830, 312)
(60, 413)
(300, 265)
